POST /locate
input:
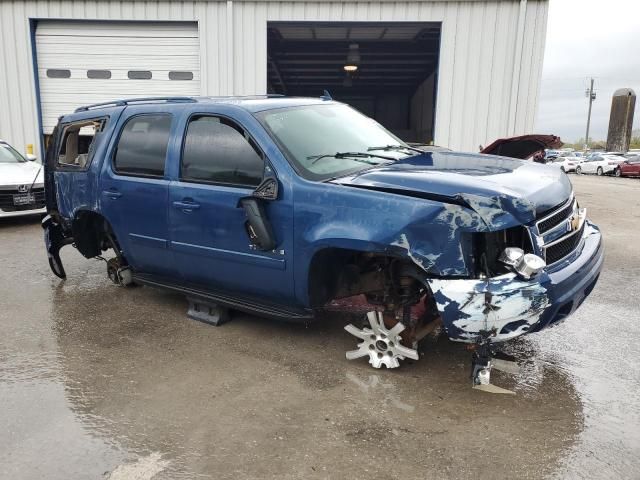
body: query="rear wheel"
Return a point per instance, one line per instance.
(579, 170)
(599, 171)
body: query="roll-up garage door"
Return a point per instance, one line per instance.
(82, 63)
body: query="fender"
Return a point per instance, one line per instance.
(435, 235)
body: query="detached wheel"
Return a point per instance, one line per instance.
(579, 170)
(617, 172)
(599, 171)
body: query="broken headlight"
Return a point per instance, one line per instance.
(526, 265)
(498, 252)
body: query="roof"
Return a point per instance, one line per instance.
(254, 103)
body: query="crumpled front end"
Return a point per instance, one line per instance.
(500, 308)
(481, 299)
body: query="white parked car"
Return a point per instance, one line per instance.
(21, 183)
(566, 163)
(600, 164)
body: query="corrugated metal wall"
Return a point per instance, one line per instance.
(490, 61)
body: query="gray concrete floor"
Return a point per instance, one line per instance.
(98, 381)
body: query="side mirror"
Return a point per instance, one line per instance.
(30, 157)
(257, 225)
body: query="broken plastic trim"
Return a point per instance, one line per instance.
(498, 308)
(54, 240)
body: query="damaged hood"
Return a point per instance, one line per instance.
(494, 187)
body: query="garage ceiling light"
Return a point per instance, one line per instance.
(353, 58)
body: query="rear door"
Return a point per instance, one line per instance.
(220, 164)
(134, 189)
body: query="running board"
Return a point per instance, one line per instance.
(279, 312)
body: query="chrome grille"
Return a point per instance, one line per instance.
(6, 200)
(563, 247)
(555, 218)
(566, 226)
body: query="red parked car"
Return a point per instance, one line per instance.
(629, 168)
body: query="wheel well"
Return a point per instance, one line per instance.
(339, 273)
(92, 234)
(325, 269)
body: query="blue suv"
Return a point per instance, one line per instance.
(287, 206)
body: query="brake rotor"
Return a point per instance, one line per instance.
(382, 345)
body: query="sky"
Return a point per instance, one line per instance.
(588, 38)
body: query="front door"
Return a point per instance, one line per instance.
(220, 165)
(134, 192)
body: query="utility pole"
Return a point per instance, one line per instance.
(592, 96)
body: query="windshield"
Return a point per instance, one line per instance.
(9, 155)
(311, 136)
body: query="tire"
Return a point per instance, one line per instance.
(617, 172)
(562, 168)
(599, 171)
(579, 170)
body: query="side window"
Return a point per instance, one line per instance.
(142, 147)
(217, 150)
(78, 141)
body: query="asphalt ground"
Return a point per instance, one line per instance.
(99, 381)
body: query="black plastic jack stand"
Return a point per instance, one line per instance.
(207, 312)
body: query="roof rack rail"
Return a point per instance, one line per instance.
(247, 97)
(131, 101)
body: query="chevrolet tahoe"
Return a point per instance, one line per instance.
(287, 206)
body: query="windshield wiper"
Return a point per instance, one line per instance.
(356, 156)
(390, 148)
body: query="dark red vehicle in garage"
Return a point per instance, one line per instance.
(629, 168)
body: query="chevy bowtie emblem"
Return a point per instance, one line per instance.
(23, 188)
(575, 222)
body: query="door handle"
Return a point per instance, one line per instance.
(186, 206)
(113, 194)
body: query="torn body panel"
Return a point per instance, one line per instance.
(498, 308)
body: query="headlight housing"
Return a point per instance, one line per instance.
(526, 265)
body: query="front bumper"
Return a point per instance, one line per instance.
(504, 307)
(22, 213)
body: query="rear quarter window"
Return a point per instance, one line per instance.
(78, 143)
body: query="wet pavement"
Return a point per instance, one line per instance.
(98, 381)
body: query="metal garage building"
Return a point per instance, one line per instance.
(458, 73)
